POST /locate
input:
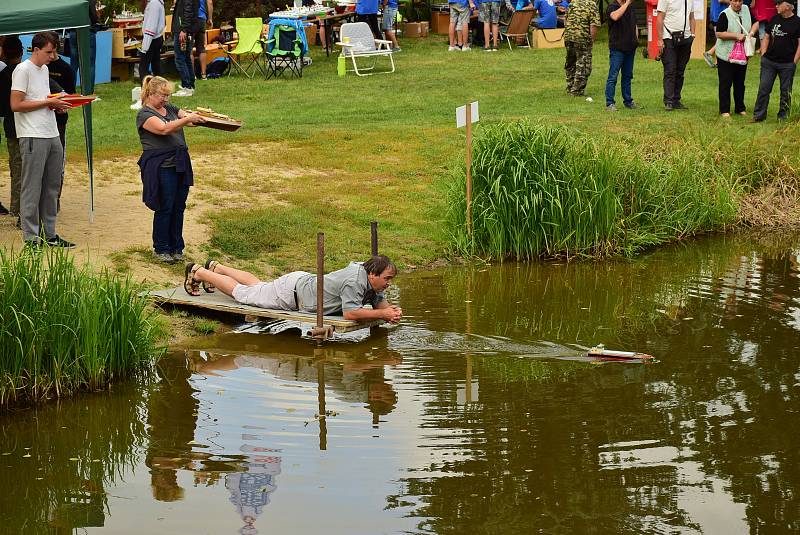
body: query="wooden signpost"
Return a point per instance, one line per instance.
(465, 116)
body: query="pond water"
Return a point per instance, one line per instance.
(478, 414)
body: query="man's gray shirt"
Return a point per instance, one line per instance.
(345, 289)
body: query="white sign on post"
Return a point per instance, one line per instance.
(461, 115)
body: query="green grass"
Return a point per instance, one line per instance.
(64, 328)
(387, 144)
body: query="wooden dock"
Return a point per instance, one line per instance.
(223, 303)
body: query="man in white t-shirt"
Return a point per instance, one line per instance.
(675, 24)
(42, 153)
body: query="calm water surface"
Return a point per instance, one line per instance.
(478, 414)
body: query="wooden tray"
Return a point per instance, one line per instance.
(229, 125)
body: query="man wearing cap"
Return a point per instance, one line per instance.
(675, 24)
(779, 56)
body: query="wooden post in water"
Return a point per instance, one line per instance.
(320, 332)
(373, 227)
(323, 423)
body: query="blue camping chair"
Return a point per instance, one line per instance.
(285, 48)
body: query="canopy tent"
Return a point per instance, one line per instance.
(31, 16)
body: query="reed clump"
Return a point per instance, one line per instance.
(542, 190)
(63, 328)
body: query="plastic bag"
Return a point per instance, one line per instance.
(737, 55)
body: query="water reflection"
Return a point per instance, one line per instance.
(476, 415)
(58, 461)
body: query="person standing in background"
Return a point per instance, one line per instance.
(580, 31)
(387, 23)
(733, 25)
(12, 55)
(184, 26)
(152, 39)
(204, 19)
(367, 11)
(675, 24)
(42, 154)
(763, 11)
(780, 52)
(622, 43)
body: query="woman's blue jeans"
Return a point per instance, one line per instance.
(168, 219)
(620, 61)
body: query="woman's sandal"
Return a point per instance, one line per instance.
(210, 265)
(191, 285)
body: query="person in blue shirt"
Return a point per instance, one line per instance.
(387, 22)
(459, 24)
(546, 9)
(367, 11)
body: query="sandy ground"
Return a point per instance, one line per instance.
(122, 222)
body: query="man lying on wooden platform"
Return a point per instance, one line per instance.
(346, 290)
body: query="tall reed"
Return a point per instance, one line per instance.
(548, 190)
(63, 328)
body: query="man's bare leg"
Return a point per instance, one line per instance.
(226, 278)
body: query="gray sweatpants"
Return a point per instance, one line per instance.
(42, 161)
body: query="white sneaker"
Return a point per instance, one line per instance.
(465, 49)
(137, 105)
(452, 48)
(183, 92)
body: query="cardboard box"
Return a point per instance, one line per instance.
(440, 22)
(553, 38)
(416, 29)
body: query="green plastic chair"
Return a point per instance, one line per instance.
(249, 46)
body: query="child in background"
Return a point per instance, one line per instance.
(459, 24)
(387, 23)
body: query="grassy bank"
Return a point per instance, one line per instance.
(347, 150)
(63, 328)
(549, 190)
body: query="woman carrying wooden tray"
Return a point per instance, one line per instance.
(165, 165)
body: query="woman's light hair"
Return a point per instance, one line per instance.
(155, 84)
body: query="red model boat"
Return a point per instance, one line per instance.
(74, 99)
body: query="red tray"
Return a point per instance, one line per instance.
(74, 100)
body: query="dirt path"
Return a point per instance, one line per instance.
(122, 224)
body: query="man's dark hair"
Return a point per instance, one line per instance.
(378, 264)
(42, 39)
(12, 47)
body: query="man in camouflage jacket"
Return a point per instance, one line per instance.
(580, 30)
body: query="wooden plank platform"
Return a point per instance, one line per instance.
(221, 302)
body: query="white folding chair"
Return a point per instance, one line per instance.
(357, 42)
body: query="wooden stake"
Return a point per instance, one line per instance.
(373, 227)
(469, 169)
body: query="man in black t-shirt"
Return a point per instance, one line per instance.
(780, 52)
(622, 43)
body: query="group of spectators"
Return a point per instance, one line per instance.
(34, 123)
(779, 47)
(493, 14)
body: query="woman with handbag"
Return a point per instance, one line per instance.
(735, 43)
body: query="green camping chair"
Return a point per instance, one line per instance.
(249, 46)
(284, 52)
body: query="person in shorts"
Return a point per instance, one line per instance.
(459, 24)
(204, 11)
(346, 290)
(387, 23)
(489, 15)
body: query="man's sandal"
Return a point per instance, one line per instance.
(210, 265)
(191, 285)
